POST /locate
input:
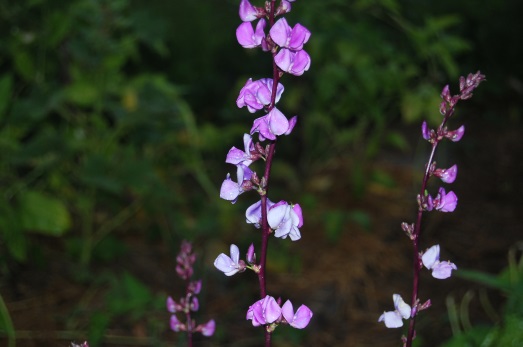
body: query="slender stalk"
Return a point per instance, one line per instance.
(268, 164)
(416, 261)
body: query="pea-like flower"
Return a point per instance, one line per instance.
(286, 37)
(285, 219)
(230, 190)
(394, 319)
(273, 124)
(293, 62)
(237, 156)
(264, 311)
(440, 270)
(298, 320)
(253, 213)
(248, 37)
(248, 12)
(445, 202)
(455, 135)
(230, 265)
(447, 175)
(257, 94)
(207, 329)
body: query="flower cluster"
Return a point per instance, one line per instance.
(259, 29)
(188, 303)
(443, 201)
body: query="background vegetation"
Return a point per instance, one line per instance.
(115, 118)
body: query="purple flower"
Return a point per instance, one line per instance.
(455, 135)
(172, 306)
(273, 124)
(264, 311)
(248, 12)
(298, 320)
(195, 287)
(447, 175)
(176, 325)
(394, 319)
(285, 220)
(295, 63)
(445, 202)
(440, 270)
(251, 256)
(208, 328)
(253, 213)
(230, 265)
(425, 131)
(230, 190)
(195, 304)
(237, 156)
(285, 36)
(255, 95)
(249, 38)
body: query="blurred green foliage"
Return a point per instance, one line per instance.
(505, 330)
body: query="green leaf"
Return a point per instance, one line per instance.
(43, 214)
(485, 279)
(6, 83)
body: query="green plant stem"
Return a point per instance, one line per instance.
(8, 323)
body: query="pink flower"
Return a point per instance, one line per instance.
(249, 38)
(445, 202)
(455, 135)
(298, 320)
(273, 124)
(264, 311)
(257, 94)
(447, 175)
(208, 328)
(295, 63)
(248, 12)
(440, 270)
(286, 37)
(237, 156)
(176, 325)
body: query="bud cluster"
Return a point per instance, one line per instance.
(189, 302)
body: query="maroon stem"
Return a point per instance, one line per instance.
(416, 233)
(266, 175)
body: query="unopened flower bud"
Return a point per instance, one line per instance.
(251, 256)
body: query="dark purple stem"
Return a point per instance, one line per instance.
(417, 230)
(268, 163)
